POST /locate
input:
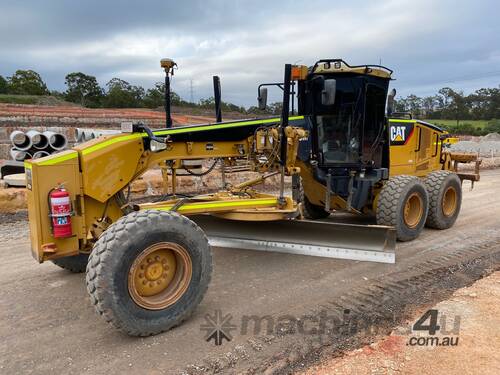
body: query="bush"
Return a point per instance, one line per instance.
(18, 99)
(3, 85)
(465, 129)
(493, 126)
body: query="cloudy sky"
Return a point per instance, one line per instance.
(428, 43)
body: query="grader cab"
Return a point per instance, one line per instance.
(148, 265)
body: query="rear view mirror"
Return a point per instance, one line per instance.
(262, 99)
(328, 92)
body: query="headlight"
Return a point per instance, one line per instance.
(157, 146)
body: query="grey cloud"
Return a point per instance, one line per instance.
(425, 42)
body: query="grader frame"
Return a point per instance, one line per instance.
(149, 266)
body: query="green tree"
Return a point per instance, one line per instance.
(455, 105)
(271, 109)
(57, 94)
(483, 104)
(209, 103)
(402, 105)
(276, 108)
(122, 94)
(155, 97)
(429, 106)
(176, 99)
(414, 105)
(83, 89)
(3, 85)
(490, 99)
(27, 82)
(478, 102)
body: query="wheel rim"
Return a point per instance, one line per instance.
(449, 203)
(160, 275)
(413, 210)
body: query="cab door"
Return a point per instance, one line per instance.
(428, 150)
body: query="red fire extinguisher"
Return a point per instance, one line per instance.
(60, 212)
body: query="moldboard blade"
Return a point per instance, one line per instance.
(371, 243)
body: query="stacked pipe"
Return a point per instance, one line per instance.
(34, 144)
(84, 135)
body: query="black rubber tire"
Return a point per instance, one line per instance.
(391, 202)
(75, 263)
(437, 183)
(310, 211)
(313, 212)
(116, 250)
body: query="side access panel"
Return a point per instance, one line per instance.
(109, 163)
(42, 175)
(415, 148)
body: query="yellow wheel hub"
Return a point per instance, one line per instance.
(155, 272)
(413, 210)
(449, 203)
(160, 275)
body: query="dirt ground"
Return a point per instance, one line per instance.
(48, 325)
(476, 351)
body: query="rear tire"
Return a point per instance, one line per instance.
(403, 204)
(148, 271)
(445, 199)
(75, 263)
(310, 211)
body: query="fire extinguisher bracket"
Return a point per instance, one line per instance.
(71, 213)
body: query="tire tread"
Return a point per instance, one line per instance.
(103, 253)
(388, 205)
(433, 182)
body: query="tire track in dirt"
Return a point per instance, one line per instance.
(48, 324)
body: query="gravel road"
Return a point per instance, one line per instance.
(48, 326)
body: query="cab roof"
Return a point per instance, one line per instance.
(340, 66)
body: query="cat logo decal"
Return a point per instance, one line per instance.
(400, 133)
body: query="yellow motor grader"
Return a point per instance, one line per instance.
(149, 264)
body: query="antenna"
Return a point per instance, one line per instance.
(168, 65)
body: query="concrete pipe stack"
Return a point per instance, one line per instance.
(84, 135)
(34, 144)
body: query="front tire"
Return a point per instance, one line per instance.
(445, 199)
(403, 204)
(149, 271)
